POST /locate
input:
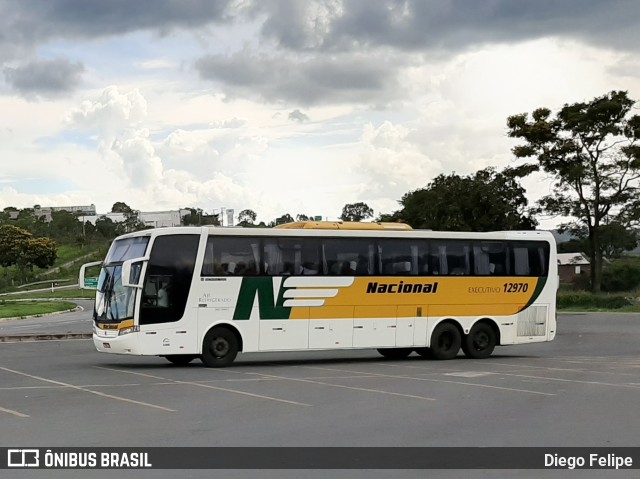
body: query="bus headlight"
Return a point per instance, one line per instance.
(130, 329)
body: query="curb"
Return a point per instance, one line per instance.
(44, 337)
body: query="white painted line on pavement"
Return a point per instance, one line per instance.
(342, 386)
(413, 378)
(191, 383)
(11, 411)
(97, 393)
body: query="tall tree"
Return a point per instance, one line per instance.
(65, 226)
(121, 207)
(106, 228)
(484, 201)
(591, 152)
(18, 247)
(614, 240)
(356, 212)
(247, 218)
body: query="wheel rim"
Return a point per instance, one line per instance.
(219, 347)
(481, 341)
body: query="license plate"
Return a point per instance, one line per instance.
(106, 345)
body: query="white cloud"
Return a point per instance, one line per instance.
(392, 163)
(139, 160)
(111, 112)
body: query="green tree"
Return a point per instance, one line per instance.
(6, 214)
(40, 252)
(12, 244)
(247, 218)
(18, 247)
(615, 239)
(356, 212)
(106, 228)
(621, 275)
(131, 223)
(65, 226)
(484, 201)
(197, 217)
(574, 245)
(121, 207)
(285, 218)
(591, 152)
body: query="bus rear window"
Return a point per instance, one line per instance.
(530, 258)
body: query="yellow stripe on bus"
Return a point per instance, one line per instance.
(385, 297)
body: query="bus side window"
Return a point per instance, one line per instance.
(231, 256)
(291, 256)
(490, 258)
(349, 256)
(402, 257)
(450, 257)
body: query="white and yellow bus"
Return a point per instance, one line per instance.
(184, 293)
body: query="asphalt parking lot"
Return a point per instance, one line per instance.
(581, 390)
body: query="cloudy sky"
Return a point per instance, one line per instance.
(285, 106)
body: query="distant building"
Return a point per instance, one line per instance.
(572, 266)
(115, 217)
(162, 219)
(46, 211)
(155, 219)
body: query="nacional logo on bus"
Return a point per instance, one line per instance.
(402, 287)
(276, 296)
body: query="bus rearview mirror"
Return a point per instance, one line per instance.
(131, 273)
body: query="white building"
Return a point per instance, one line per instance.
(78, 210)
(115, 217)
(155, 219)
(162, 219)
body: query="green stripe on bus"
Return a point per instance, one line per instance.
(542, 281)
(263, 287)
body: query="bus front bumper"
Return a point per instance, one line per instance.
(124, 344)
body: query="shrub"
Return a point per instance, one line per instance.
(598, 301)
(623, 275)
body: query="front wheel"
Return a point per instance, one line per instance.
(480, 342)
(445, 341)
(395, 353)
(219, 348)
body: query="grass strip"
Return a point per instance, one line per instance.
(10, 309)
(64, 293)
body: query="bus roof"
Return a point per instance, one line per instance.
(344, 225)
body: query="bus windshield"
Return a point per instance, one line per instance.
(114, 302)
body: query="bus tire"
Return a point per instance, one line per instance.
(219, 348)
(480, 342)
(395, 353)
(180, 359)
(445, 341)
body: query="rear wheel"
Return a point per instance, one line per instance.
(395, 353)
(445, 341)
(180, 359)
(219, 348)
(480, 342)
